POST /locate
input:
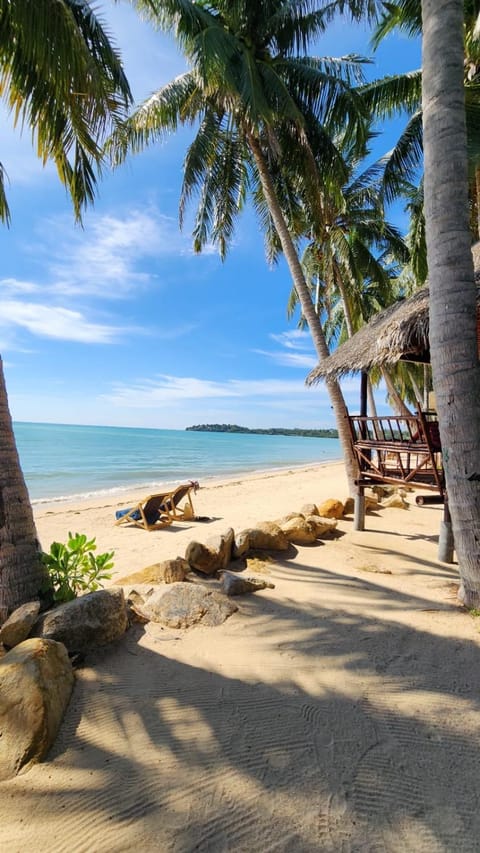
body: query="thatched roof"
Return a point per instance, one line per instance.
(398, 332)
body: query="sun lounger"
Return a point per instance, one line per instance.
(160, 510)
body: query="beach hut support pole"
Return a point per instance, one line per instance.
(359, 510)
(445, 540)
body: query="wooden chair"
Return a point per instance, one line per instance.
(160, 510)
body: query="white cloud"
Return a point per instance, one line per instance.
(297, 350)
(14, 285)
(290, 359)
(104, 258)
(148, 393)
(294, 339)
(55, 322)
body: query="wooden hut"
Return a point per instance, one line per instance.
(398, 450)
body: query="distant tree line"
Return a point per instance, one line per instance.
(312, 433)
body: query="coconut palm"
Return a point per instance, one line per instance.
(260, 105)
(403, 93)
(60, 76)
(453, 338)
(446, 108)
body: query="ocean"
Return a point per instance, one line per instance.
(75, 462)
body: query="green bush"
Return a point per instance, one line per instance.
(74, 568)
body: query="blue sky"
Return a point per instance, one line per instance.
(119, 323)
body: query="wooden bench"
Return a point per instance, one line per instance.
(398, 450)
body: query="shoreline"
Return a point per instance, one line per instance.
(138, 491)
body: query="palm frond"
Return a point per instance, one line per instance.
(405, 15)
(393, 95)
(402, 164)
(4, 209)
(61, 76)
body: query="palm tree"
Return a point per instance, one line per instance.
(263, 110)
(353, 260)
(403, 93)
(453, 338)
(60, 75)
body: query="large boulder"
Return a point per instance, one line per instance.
(332, 508)
(266, 536)
(323, 526)
(187, 604)
(36, 680)
(299, 530)
(19, 624)
(211, 556)
(168, 571)
(91, 620)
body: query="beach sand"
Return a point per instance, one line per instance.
(336, 712)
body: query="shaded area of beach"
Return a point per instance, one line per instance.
(337, 712)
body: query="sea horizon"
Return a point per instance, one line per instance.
(77, 462)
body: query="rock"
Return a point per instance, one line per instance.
(395, 501)
(266, 536)
(383, 491)
(235, 585)
(223, 543)
(323, 526)
(212, 556)
(241, 545)
(371, 503)
(93, 619)
(330, 509)
(19, 624)
(286, 518)
(36, 680)
(184, 605)
(168, 571)
(348, 506)
(300, 531)
(201, 558)
(309, 509)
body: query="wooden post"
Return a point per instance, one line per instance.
(359, 510)
(445, 539)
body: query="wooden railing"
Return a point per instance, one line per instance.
(398, 450)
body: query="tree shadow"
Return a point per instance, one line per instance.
(272, 751)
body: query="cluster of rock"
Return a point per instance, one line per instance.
(37, 649)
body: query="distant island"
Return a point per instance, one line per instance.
(310, 433)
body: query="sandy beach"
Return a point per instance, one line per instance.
(335, 712)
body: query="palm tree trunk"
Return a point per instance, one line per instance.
(396, 401)
(477, 199)
(21, 571)
(308, 309)
(453, 341)
(371, 399)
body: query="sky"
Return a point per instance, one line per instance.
(118, 322)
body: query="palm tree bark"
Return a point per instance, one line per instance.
(21, 570)
(308, 308)
(453, 341)
(396, 401)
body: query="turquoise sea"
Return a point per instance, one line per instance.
(61, 461)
